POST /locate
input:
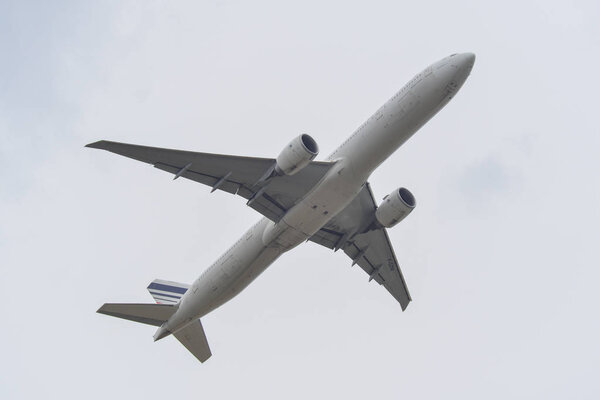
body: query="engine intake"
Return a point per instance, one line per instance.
(395, 207)
(296, 155)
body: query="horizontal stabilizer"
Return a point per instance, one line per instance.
(194, 339)
(151, 314)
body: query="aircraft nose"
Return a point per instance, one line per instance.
(462, 64)
(465, 61)
(452, 72)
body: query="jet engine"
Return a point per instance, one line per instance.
(296, 155)
(395, 207)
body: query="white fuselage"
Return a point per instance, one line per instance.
(374, 141)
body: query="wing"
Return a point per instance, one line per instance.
(249, 177)
(354, 231)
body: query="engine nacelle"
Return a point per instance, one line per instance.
(296, 155)
(395, 207)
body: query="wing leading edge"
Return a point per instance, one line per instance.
(248, 177)
(371, 249)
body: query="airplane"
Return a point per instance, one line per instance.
(327, 202)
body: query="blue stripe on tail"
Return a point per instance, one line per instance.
(167, 291)
(167, 288)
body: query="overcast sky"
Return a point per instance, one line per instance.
(500, 255)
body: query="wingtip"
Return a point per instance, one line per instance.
(96, 145)
(100, 310)
(404, 306)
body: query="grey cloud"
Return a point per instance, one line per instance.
(486, 180)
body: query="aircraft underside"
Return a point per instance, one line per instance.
(328, 202)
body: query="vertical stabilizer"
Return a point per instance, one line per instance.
(167, 292)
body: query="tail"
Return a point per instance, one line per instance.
(167, 295)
